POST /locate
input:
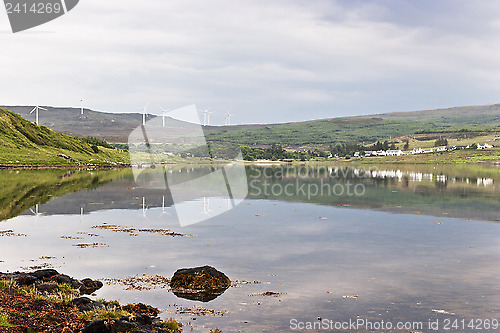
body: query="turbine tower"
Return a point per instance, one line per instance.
(208, 117)
(81, 105)
(205, 114)
(163, 111)
(36, 109)
(228, 119)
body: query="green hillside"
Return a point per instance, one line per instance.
(463, 122)
(112, 127)
(453, 122)
(24, 143)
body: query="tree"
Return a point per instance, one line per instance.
(407, 144)
(440, 142)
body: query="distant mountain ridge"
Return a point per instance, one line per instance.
(115, 127)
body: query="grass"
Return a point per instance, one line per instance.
(25, 310)
(172, 325)
(105, 313)
(8, 285)
(4, 320)
(25, 143)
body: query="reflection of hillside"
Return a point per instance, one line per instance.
(456, 194)
(23, 189)
(119, 192)
(452, 194)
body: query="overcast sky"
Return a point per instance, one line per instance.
(263, 61)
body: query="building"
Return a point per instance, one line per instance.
(442, 148)
(394, 152)
(427, 150)
(484, 146)
(416, 151)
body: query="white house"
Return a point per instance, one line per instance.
(381, 153)
(369, 153)
(428, 150)
(356, 154)
(480, 146)
(394, 153)
(442, 148)
(417, 151)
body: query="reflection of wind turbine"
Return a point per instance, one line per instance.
(144, 206)
(206, 205)
(228, 119)
(36, 108)
(163, 212)
(36, 212)
(144, 115)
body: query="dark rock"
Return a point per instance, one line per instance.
(25, 279)
(86, 304)
(141, 308)
(89, 286)
(48, 287)
(143, 319)
(109, 326)
(62, 278)
(200, 283)
(45, 274)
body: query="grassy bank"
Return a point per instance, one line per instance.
(25, 143)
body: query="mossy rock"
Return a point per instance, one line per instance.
(200, 283)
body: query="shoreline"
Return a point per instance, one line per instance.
(42, 166)
(46, 300)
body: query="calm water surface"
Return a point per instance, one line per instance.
(418, 245)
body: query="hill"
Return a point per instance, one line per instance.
(112, 127)
(453, 122)
(25, 143)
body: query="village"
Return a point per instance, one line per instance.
(398, 152)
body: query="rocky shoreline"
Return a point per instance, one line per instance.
(47, 301)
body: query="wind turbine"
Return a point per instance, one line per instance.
(144, 115)
(37, 108)
(205, 112)
(81, 104)
(208, 117)
(163, 111)
(228, 119)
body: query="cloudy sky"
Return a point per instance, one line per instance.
(263, 61)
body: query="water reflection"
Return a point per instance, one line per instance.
(452, 192)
